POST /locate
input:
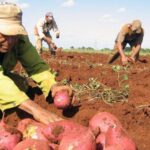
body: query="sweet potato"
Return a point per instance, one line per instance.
(100, 141)
(81, 139)
(32, 144)
(116, 147)
(56, 130)
(9, 136)
(113, 147)
(104, 120)
(62, 100)
(32, 129)
(53, 146)
(119, 138)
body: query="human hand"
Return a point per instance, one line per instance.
(46, 116)
(131, 59)
(124, 60)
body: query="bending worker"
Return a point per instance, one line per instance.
(42, 33)
(131, 34)
(15, 46)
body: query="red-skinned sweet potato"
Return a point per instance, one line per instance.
(9, 136)
(62, 100)
(56, 130)
(32, 129)
(81, 139)
(32, 144)
(113, 147)
(118, 137)
(104, 120)
(116, 147)
(53, 146)
(100, 141)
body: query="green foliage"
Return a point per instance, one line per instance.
(83, 49)
(65, 81)
(96, 90)
(121, 78)
(93, 84)
(125, 77)
(116, 68)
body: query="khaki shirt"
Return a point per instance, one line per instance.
(42, 27)
(126, 35)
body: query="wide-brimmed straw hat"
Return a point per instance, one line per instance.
(11, 19)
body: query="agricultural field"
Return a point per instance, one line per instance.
(97, 86)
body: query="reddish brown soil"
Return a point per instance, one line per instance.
(78, 68)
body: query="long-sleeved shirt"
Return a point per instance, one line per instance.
(43, 27)
(37, 69)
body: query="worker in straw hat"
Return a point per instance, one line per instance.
(15, 46)
(131, 34)
(42, 33)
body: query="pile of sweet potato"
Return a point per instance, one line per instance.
(105, 132)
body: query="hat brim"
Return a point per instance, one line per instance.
(12, 29)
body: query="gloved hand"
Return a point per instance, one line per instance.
(57, 35)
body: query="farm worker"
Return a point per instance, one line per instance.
(132, 34)
(42, 33)
(15, 46)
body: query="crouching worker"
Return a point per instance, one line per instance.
(131, 34)
(42, 33)
(15, 46)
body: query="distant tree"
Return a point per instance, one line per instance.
(90, 48)
(105, 49)
(72, 47)
(83, 47)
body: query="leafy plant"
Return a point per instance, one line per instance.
(65, 81)
(121, 78)
(96, 90)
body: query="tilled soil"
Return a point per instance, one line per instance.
(78, 68)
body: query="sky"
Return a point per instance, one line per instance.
(88, 23)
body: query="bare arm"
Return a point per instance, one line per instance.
(50, 42)
(135, 51)
(120, 39)
(47, 39)
(119, 47)
(124, 59)
(39, 113)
